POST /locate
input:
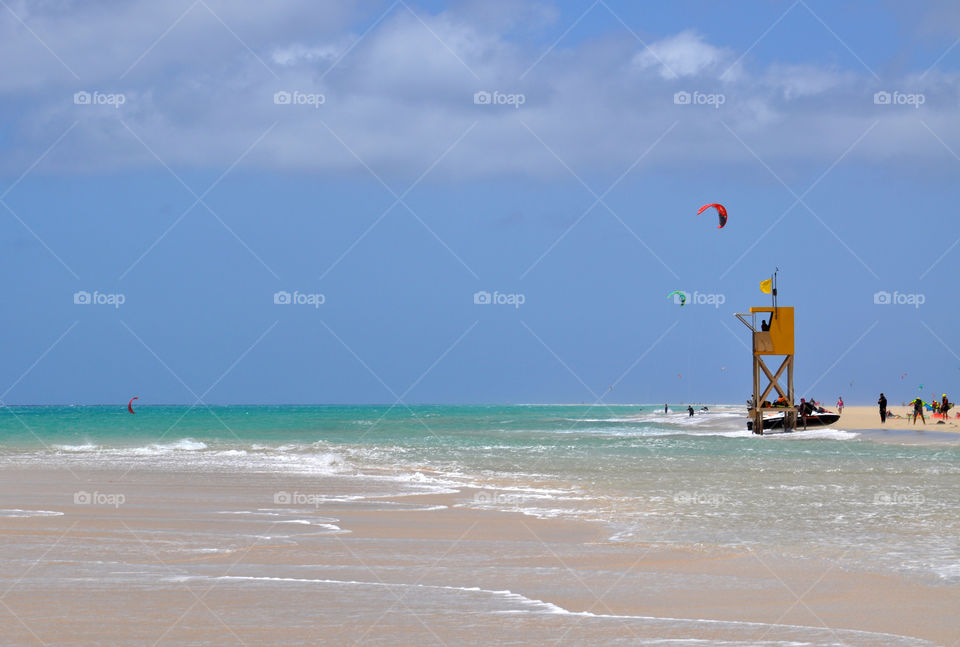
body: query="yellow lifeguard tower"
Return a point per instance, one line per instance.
(773, 337)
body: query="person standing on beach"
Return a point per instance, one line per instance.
(803, 412)
(945, 407)
(918, 411)
(840, 404)
(883, 407)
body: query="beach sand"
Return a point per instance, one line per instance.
(210, 558)
(859, 418)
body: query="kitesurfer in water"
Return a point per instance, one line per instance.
(690, 410)
(665, 410)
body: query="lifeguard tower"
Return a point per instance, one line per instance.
(778, 341)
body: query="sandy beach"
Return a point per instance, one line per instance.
(859, 418)
(190, 558)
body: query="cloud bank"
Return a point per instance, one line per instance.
(296, 86)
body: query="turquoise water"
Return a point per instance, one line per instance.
(867, 500)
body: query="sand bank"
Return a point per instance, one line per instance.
(189, 558)
(857, 418)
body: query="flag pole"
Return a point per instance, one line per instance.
(773, 292)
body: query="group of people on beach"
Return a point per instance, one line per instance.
(941, 407)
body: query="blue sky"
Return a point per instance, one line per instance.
(187, 187)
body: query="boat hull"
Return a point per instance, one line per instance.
(774, 424)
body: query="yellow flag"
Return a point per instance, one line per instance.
(766, 286)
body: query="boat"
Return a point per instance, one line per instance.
(775, 422)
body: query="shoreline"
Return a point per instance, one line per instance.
(275, 563)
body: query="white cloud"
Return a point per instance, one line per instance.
(683, 55)
(297, 53)
(404, 93)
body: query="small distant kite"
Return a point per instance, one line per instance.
(721, 212)
(130, 404)
(681, 297)
(903, 376)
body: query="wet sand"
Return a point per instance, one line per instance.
(201, 558)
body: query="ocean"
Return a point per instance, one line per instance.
(860, 499)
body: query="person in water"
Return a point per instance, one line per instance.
(918, 411)
(690, 410)
(665, 409)
(883, 407)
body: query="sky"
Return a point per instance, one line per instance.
(472, 201)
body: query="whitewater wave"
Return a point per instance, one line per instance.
(776, 633)
(16, 512)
